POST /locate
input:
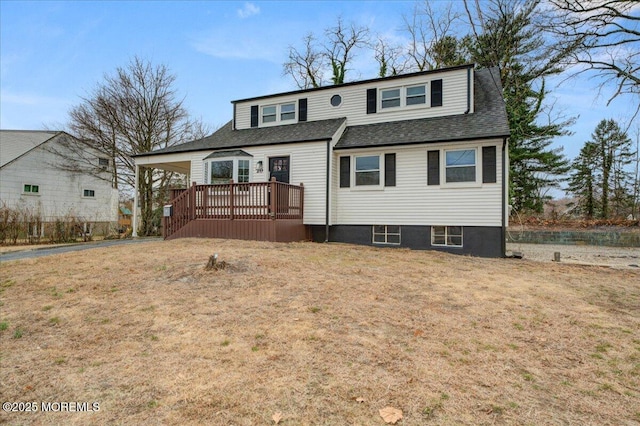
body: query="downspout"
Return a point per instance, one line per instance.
(468, 91)
(504, 199)
(326, 212)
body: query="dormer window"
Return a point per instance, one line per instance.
(278, 113)
(390, 98)
(416, 95)
(287, 112)
(269, 114)
(400, 97)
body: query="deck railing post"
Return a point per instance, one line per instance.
(192, 201)
(301, 192)
(231, 199)
(274, 197)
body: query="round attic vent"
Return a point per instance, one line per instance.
(336, 100)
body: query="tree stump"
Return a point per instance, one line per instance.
(214, 265)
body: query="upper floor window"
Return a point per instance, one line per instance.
(89, 193)
(403, 97)
(390, 98)
(460, 165)
(416, 95)
(269, 114)
(277, 113)
(103, 162)
(287, 112)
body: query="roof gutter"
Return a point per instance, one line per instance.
(468, 91)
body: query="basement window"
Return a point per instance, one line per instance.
(448, 236)
(386, 234)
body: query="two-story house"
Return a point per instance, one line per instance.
(416, 160)
(39, 181)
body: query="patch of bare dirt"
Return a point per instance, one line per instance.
(317, 334)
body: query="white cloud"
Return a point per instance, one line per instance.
(248, 10)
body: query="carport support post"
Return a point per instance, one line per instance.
(135, 203)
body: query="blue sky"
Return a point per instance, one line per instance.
(53, 53)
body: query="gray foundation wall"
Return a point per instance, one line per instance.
(482, 241)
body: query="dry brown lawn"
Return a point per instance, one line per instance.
(321, 334)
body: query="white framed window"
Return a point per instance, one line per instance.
(367, 170)
(386, 234)
(243, 171)
(224, 170)
(402, 97)
(416, 95)
(460, 165)
(31, 189)
(390, 98)
(269, 113)
(88, 193)
(446, 236)
(103, 162)
(278, 113)
(288, 112)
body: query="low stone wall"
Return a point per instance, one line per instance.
(592, 238)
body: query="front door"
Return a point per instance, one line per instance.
(279, 168)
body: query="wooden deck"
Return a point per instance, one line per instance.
(264, 211)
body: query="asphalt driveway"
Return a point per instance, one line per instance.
(46, 251)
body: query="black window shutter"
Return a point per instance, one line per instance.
(390, 170)
(254, 115)
(302, 109)
(345, 172)
(436, 93)
(433, 168)
(372, 100)
(488, 164)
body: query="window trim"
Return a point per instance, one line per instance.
(386, 234)
(403, 96)
(234, 172)
(380, 184)
(447, 236)
(277, 116)
(477, 182)
(30, 191)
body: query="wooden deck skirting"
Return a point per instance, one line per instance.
(269, 211)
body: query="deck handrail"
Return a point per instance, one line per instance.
(270, 200)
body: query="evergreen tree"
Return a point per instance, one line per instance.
(585, 180)
(508, 38)
(614, 155)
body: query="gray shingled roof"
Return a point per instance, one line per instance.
(227, 138)
(488, 121)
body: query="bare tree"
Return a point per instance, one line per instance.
(333, 55)
(604, 38)
(305, 67)
(430, 31)
(342, 42)
(134, 111)
(390, 58)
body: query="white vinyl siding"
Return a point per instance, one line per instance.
(354, 100)
(413, 202)
(53, 193)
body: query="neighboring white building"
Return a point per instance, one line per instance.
(417, 160)
(37, 181)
